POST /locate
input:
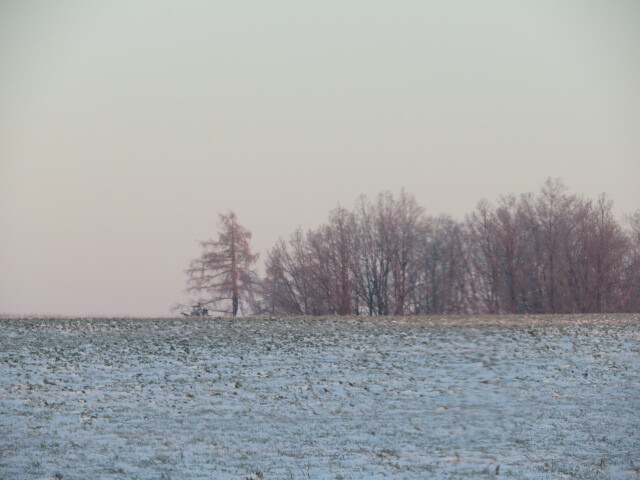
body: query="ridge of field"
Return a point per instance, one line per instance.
(522, 397)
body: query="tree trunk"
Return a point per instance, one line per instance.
(234, 301)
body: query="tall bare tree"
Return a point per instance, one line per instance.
(631, 293)
(376, 234)
(553, 214)
(288, 286)
(443, 268)
(334, 259)
(222, 276)
(407, 221)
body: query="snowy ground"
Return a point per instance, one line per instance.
(538, 397)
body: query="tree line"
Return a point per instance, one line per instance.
(548, 252)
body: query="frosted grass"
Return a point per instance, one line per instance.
(524, 397)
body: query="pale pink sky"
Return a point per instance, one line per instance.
(127, 126)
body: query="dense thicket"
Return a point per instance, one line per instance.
(550, 252)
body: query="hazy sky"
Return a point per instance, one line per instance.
(126, 127)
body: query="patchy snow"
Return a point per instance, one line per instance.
(539, 397)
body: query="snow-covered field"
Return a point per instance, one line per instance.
(523, 397)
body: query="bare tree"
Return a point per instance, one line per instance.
(553, 213)
(333, 260)
(484, 260)
(288, 287)
(442, 268)
(406, 221)
(371, 273)
(223, 274)
(376, 236)
(608, 244)
(631, 289)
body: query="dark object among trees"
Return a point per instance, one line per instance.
(197, 310)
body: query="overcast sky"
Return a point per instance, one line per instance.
(126, 127)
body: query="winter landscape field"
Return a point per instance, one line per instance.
(536, 397)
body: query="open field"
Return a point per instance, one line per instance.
(544, 397)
